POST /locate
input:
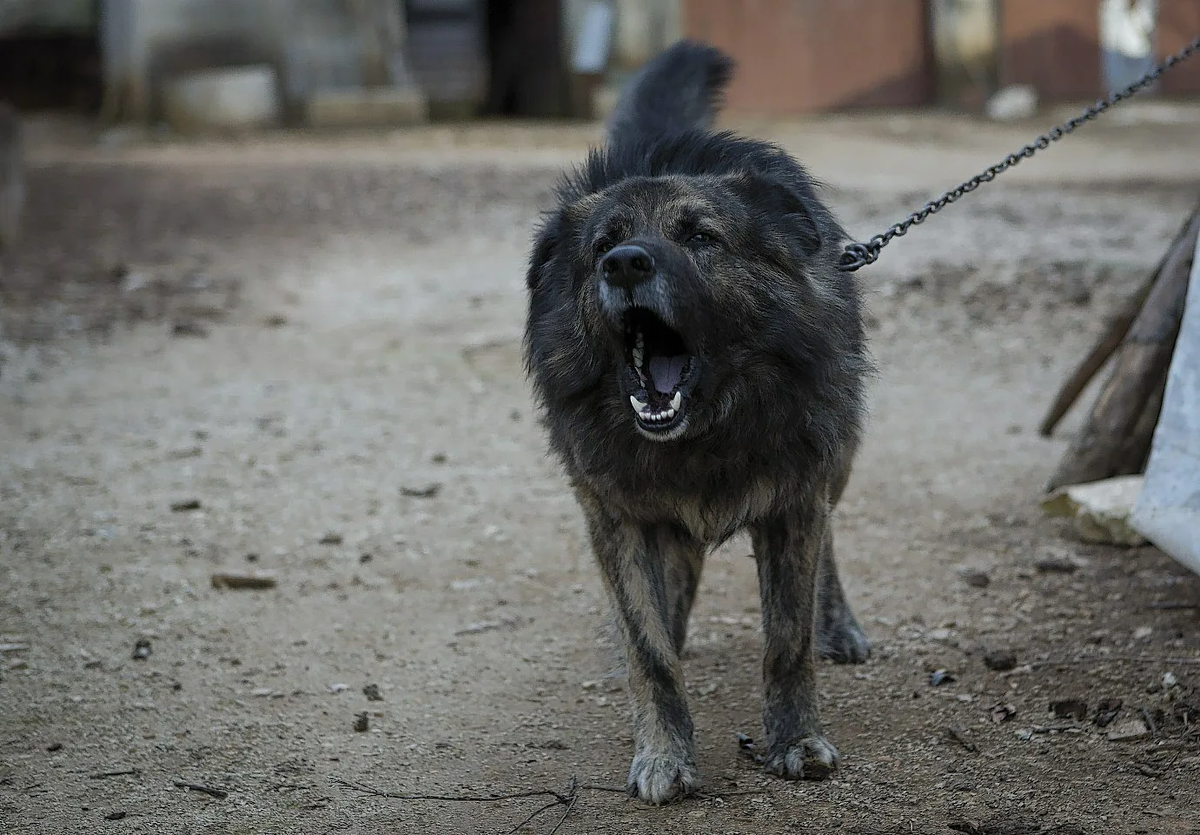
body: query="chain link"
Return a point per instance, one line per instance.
(860, 254)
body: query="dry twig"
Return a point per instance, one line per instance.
(219, 794)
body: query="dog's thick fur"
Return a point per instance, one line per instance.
(717, 250)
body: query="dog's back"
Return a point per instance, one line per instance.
(12, 175)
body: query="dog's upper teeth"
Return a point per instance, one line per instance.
(639, 354)
(641, 341)
(638, 406)
(676, 401)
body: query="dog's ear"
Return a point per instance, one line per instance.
(799, 218)
(545, 247)
(787, 205)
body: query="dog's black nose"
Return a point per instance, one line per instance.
(627, 265)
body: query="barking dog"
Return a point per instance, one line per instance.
(700, 364)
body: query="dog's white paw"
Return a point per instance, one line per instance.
(810, 758)
(659, 778)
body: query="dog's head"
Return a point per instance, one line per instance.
(680, 296)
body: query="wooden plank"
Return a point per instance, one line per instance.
(1053, 46)
(803, 56)
(1178, 25)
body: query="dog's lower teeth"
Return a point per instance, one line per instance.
(638, 406)
(676, 401)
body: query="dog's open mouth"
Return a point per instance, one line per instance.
(663, 369)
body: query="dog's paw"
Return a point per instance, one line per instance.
(843, 641)
(659, 778)
(810, 758)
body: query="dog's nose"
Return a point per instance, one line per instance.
(627, 265)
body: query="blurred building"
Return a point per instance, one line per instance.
(342, 61)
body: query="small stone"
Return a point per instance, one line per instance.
(1069, 709)
(54, 746)
(371, 691)
(244, 580)
(1001, 713)
(141, 649)
(1012, 103)
(330, 538)
(339, 687)
(1000, 660)
(189, 327)
(185, 505)
(185, 452)
(1142, 633)
(262, 692)
(115, 816)
(424, 491)
(362, 723)
(1106, 712)
(939, 677)
(1055, 564)
(1169, 680)
(975, 578)
(1130, 730)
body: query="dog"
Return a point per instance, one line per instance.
(699, 364)
(12, 176)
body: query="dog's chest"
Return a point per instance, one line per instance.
(713, 515)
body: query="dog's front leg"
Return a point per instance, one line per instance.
(664, 762)
(788, 551)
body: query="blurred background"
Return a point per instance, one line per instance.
(327, 62)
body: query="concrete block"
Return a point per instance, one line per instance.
(229, 98)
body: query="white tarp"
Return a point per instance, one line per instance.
(1168, 510)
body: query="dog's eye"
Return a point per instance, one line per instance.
(603, 247)
(702, 238)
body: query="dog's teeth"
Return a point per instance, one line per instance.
(670, 413)
(638, 355)
(638, 406)
(641, 341)
(676, 401)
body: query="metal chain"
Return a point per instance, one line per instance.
(860, 254)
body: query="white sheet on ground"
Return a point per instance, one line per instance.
(1168, 510)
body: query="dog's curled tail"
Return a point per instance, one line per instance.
(679, 89)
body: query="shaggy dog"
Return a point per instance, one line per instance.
(700, 363)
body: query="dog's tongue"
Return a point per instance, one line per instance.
(666, 371)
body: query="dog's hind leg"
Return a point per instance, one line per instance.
(839, 637)
(664, 762)
(788, 551)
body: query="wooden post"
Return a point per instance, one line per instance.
(1114, 439)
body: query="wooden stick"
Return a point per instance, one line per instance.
(1103, 446)
(1094, 361)
(1108, 343)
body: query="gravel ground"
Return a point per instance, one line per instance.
(300, 356)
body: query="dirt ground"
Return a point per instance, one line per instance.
(301, 355)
